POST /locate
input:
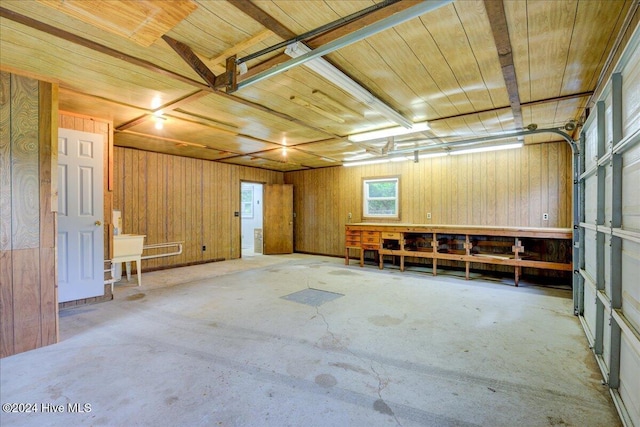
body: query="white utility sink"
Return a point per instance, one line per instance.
(127, 248)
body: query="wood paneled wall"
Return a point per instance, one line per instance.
(28, 271)
(510, 188)
(170, 198)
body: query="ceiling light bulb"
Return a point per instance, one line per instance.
(159, 121)
(156, 102)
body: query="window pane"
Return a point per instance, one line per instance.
(382, 207)
(247, 195)
(382, 189)
(380, 198)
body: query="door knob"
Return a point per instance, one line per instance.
(98, 223)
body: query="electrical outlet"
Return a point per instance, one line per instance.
(545, 217)
(349, 215)
(204, 248)
(428, 215)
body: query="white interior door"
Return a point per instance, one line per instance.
(80, 215)
(251, 212)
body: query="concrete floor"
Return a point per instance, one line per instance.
(217, 345)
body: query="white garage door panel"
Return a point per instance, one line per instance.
(630, 379)
(631, 283)
(591, 199)
(590, 311)
(612, 253)
(631, 98)
(591, 145)
(630, 184)
(590, 260)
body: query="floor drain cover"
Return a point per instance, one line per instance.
(312, 297)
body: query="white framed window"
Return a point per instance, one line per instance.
(381, 198)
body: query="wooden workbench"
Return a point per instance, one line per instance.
(544, 248)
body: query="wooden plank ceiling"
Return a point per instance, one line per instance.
(470, 68)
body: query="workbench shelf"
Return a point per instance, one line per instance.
(517, 247)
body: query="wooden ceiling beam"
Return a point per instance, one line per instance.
(329, 36)
(192, 60)
(335, 104)
(225, 80)
(368, 19)
(498, 22)
(243, 45)
(526, 104)
(171, 140)
(65, 35)
(306, 104)
(70, 37)
(263, 66)
(143, 22)
(267, 21)
(257, 155)
(166, 107)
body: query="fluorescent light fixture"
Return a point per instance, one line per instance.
(378, 161)
(430, 155)
(391, 21)
(366, 162)
(489, 148)
(437, 154)
(331, 73)
(385, 133)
